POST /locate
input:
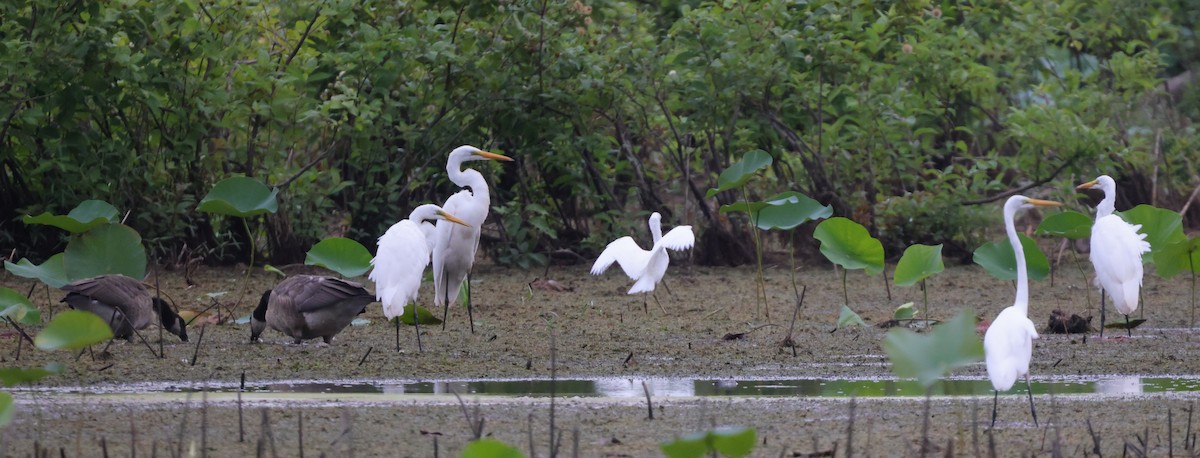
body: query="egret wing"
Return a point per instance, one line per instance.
(680, 238)
(399, 264)
(1117, 249)
(627, 253)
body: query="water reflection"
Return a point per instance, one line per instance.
(611, 387)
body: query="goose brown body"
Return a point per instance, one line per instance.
(309, 306)
(124, 303)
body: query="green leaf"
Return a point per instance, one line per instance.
(790, 209)
(1070, 224)
(7, 409)
(423, 314)
(733, 442)
(904, 312)
(690, 446)
(847, 317)
(737, 174)
(85, 216)
(10, 376)
(17, 307)
(1161, 226)
(848, 244)
(112, 248)
(490, 448)
(52, 272)
(998, 259)
(72, 330)
(342, 255)
(239, 196)
(917, 263)
(929, 357)
(743, 207)
(1181, 256)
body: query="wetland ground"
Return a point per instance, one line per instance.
(599, 331)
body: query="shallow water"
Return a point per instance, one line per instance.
(624, 388)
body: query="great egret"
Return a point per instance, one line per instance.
(645, 267)
(400, 262)
(1008, 342)
(124, 303)
(1116, 253)
(309, 306)
(454, 247)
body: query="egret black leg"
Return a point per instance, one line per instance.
(1128, 330)
(470, 314)
(664, 283)
(445, 300)
(995, 401)
(417, 326)
(1102, 298)
(1032, 411)
(660, 307)
(397, 334)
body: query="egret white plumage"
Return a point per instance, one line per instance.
(645, 267)
(454, 247)
(1008, 342)
(1116, 253)
(400, 262)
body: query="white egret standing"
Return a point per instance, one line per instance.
(1008, 342)
(400, 263)
(454, 247)
(645, 267)
(1116, 253)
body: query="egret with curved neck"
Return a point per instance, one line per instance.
(454, 246)
(1116, 252)
(400, 262)
(1008, 342)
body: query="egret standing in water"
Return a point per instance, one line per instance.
(1008, 342)
(645, 267)
(454, 247)
(399, 263)
(1116, 253)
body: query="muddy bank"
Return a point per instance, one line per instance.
(600, 331)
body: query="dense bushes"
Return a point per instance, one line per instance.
(907, 116)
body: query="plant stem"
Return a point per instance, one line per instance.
(845, 293)
(760, 294)
(1192, 268)
(925, 297)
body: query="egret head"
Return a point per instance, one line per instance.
(470, 153)
(1104, 182)
(430, 212)
(1019, 202)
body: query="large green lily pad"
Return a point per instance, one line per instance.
(848, 244)
(112, 248)
(52, 272)
(239, 196)
(928, 357)
(72, 330)
(739, 172)
(1069, 224)
(918, 263)
(82, 218)
(342, 255)
(998, 259)
(17, 307)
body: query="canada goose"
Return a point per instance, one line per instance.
(309, 306)
(124, 303)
